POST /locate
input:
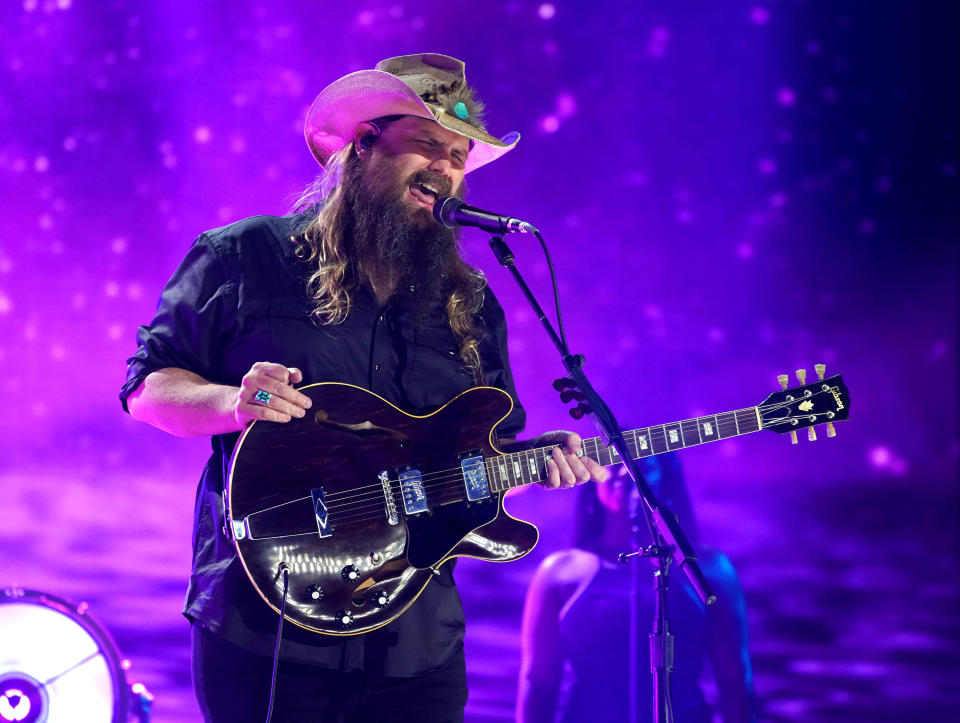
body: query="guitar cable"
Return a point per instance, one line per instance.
(283, 570)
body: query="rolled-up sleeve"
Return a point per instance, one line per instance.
(191, 315)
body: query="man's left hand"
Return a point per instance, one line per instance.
(565, 468)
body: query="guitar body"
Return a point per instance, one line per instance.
(363, 502)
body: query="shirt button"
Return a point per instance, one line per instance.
(381, 317)
(377, 367)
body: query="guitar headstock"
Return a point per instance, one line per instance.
(824, 402)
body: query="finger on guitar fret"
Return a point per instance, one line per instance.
(596, 471)
(567, 476)
(553, 475)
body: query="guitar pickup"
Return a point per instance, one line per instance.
(412, 492)
(475, 476)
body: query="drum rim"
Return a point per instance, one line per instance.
(80, 614)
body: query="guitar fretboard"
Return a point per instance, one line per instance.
(528, 466)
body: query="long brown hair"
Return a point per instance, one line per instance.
(325, 243)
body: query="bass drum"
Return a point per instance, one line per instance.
(57, 664)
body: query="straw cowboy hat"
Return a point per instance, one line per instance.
(427, 85)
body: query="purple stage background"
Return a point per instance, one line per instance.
(730, 191)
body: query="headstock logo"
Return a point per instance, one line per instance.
(836, 397)
(805, 406)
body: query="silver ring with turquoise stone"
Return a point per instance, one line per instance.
(262, 398)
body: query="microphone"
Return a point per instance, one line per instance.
(451, 212)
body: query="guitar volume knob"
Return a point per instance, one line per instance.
(381, 599)
(314, 593)
(350, 573)
(345, 618)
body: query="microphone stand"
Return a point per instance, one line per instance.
(636, 514)
(669, 543)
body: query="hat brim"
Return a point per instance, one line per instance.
(367, 94)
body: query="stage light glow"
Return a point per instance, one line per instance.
(786, 97)
(759, 15)
(51, 660)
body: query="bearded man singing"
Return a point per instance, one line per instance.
(361, 286)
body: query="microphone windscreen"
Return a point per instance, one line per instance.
(443, 209)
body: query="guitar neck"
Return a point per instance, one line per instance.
(529, 466)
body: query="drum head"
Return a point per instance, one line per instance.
(56, 663)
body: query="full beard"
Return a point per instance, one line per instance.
(404, 242)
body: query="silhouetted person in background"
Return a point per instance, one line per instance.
(577, 617)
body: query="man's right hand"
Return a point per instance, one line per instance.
(266, 392)
(187, 405)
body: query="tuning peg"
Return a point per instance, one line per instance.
(784, 381)
(821, 369)
(811, 434)
(802, 376)
(564, 383)
(831, 430)
(580, 410)
(568, 395)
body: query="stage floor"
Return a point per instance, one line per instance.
(852, 592)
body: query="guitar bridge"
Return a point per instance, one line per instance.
(392, 517)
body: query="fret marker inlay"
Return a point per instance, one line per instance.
(643, 441)
(708, 429)
(674, 437)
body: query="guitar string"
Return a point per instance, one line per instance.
(444, 492)
(361, 503)
(430, 480)
(453, 486)
(453, 493)
(361, 517)
(449, 493)
(357, 501)
(452, 482)
(452, 478)
(655, 432)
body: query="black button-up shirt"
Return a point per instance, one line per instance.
(239, 297)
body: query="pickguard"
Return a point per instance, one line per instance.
(433, 536)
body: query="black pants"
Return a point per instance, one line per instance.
(233, 685)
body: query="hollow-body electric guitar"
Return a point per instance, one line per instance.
(364, 502)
